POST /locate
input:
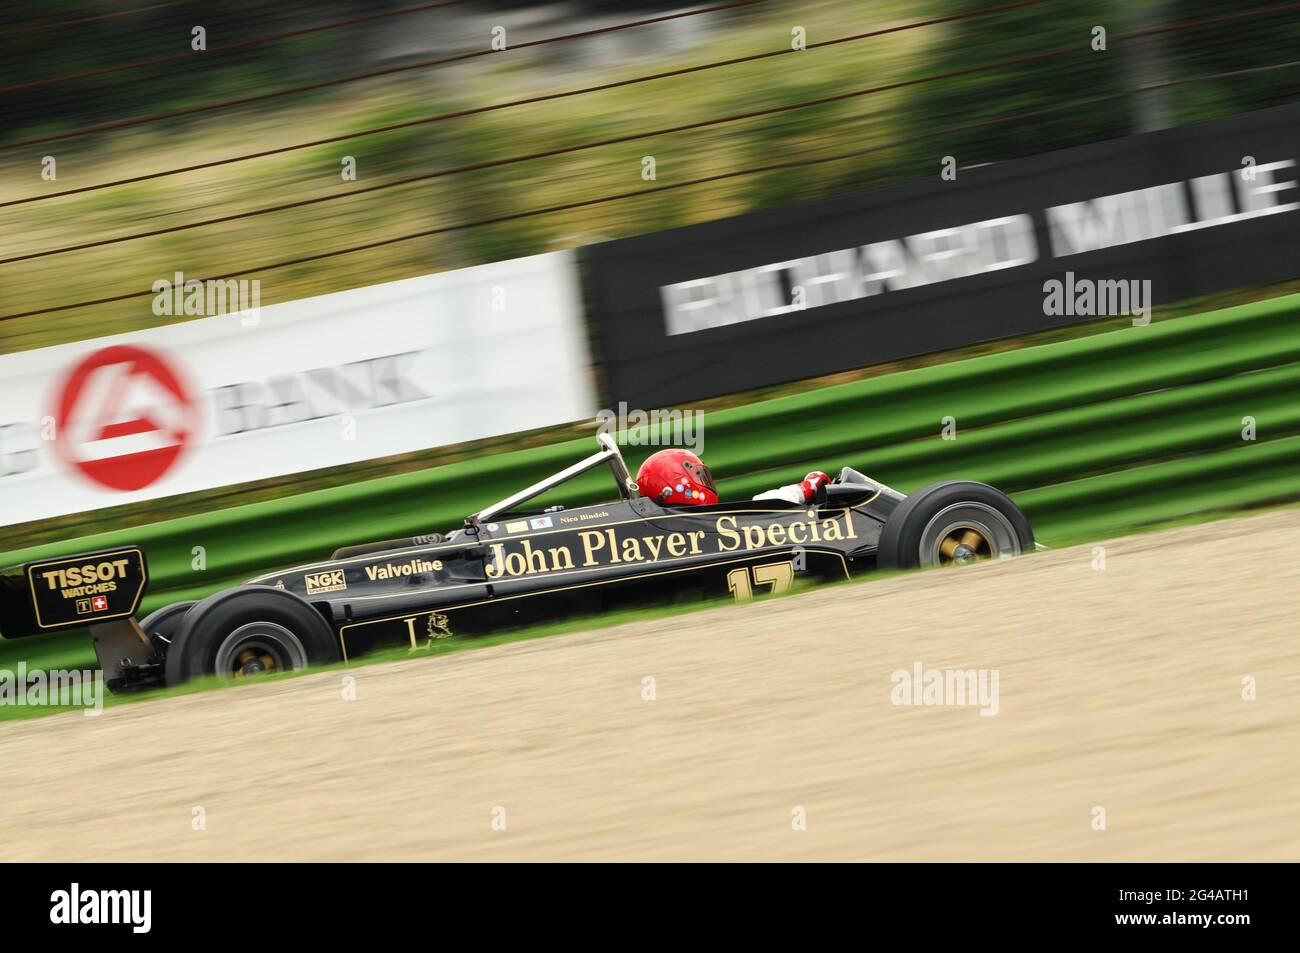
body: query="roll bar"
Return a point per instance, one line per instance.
(608, 454)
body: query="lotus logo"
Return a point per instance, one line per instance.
(439, 627)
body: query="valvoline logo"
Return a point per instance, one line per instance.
(124, 416)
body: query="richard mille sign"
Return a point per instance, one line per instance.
(975, 248)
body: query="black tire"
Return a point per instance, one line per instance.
(939, 519)
(267, 622)
(161, 626)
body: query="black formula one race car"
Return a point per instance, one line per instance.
(506, 566)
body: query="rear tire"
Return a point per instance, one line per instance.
(249, 630)
(953, 523)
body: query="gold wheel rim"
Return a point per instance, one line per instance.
(247, 657)
(964, 545)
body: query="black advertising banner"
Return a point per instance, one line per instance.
(1004, 249)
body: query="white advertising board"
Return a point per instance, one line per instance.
(298, 386)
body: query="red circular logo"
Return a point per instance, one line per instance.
(124, 417)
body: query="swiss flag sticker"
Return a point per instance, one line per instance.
(124, 417)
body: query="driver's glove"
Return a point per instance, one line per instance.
(814, 487)
(811, 489)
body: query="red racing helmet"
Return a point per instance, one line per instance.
(674, 477)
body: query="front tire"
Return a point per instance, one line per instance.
(953, 523)
(247, 631)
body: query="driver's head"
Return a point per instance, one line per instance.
(674, 477)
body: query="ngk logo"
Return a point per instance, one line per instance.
(331, 581)
(124, 417)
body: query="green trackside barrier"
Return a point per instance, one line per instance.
(1093, 437)
(1115, 503)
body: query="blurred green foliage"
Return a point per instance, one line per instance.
(1035, 106)
(1101, 81)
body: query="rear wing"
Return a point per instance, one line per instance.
(71, 591)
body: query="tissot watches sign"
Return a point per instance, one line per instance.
(312, 383)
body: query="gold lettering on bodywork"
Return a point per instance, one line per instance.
(655, 545)
(593, 541)
(496, 565)
(534, 559)
(728, 538)
(607, 547)
(831, 531)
